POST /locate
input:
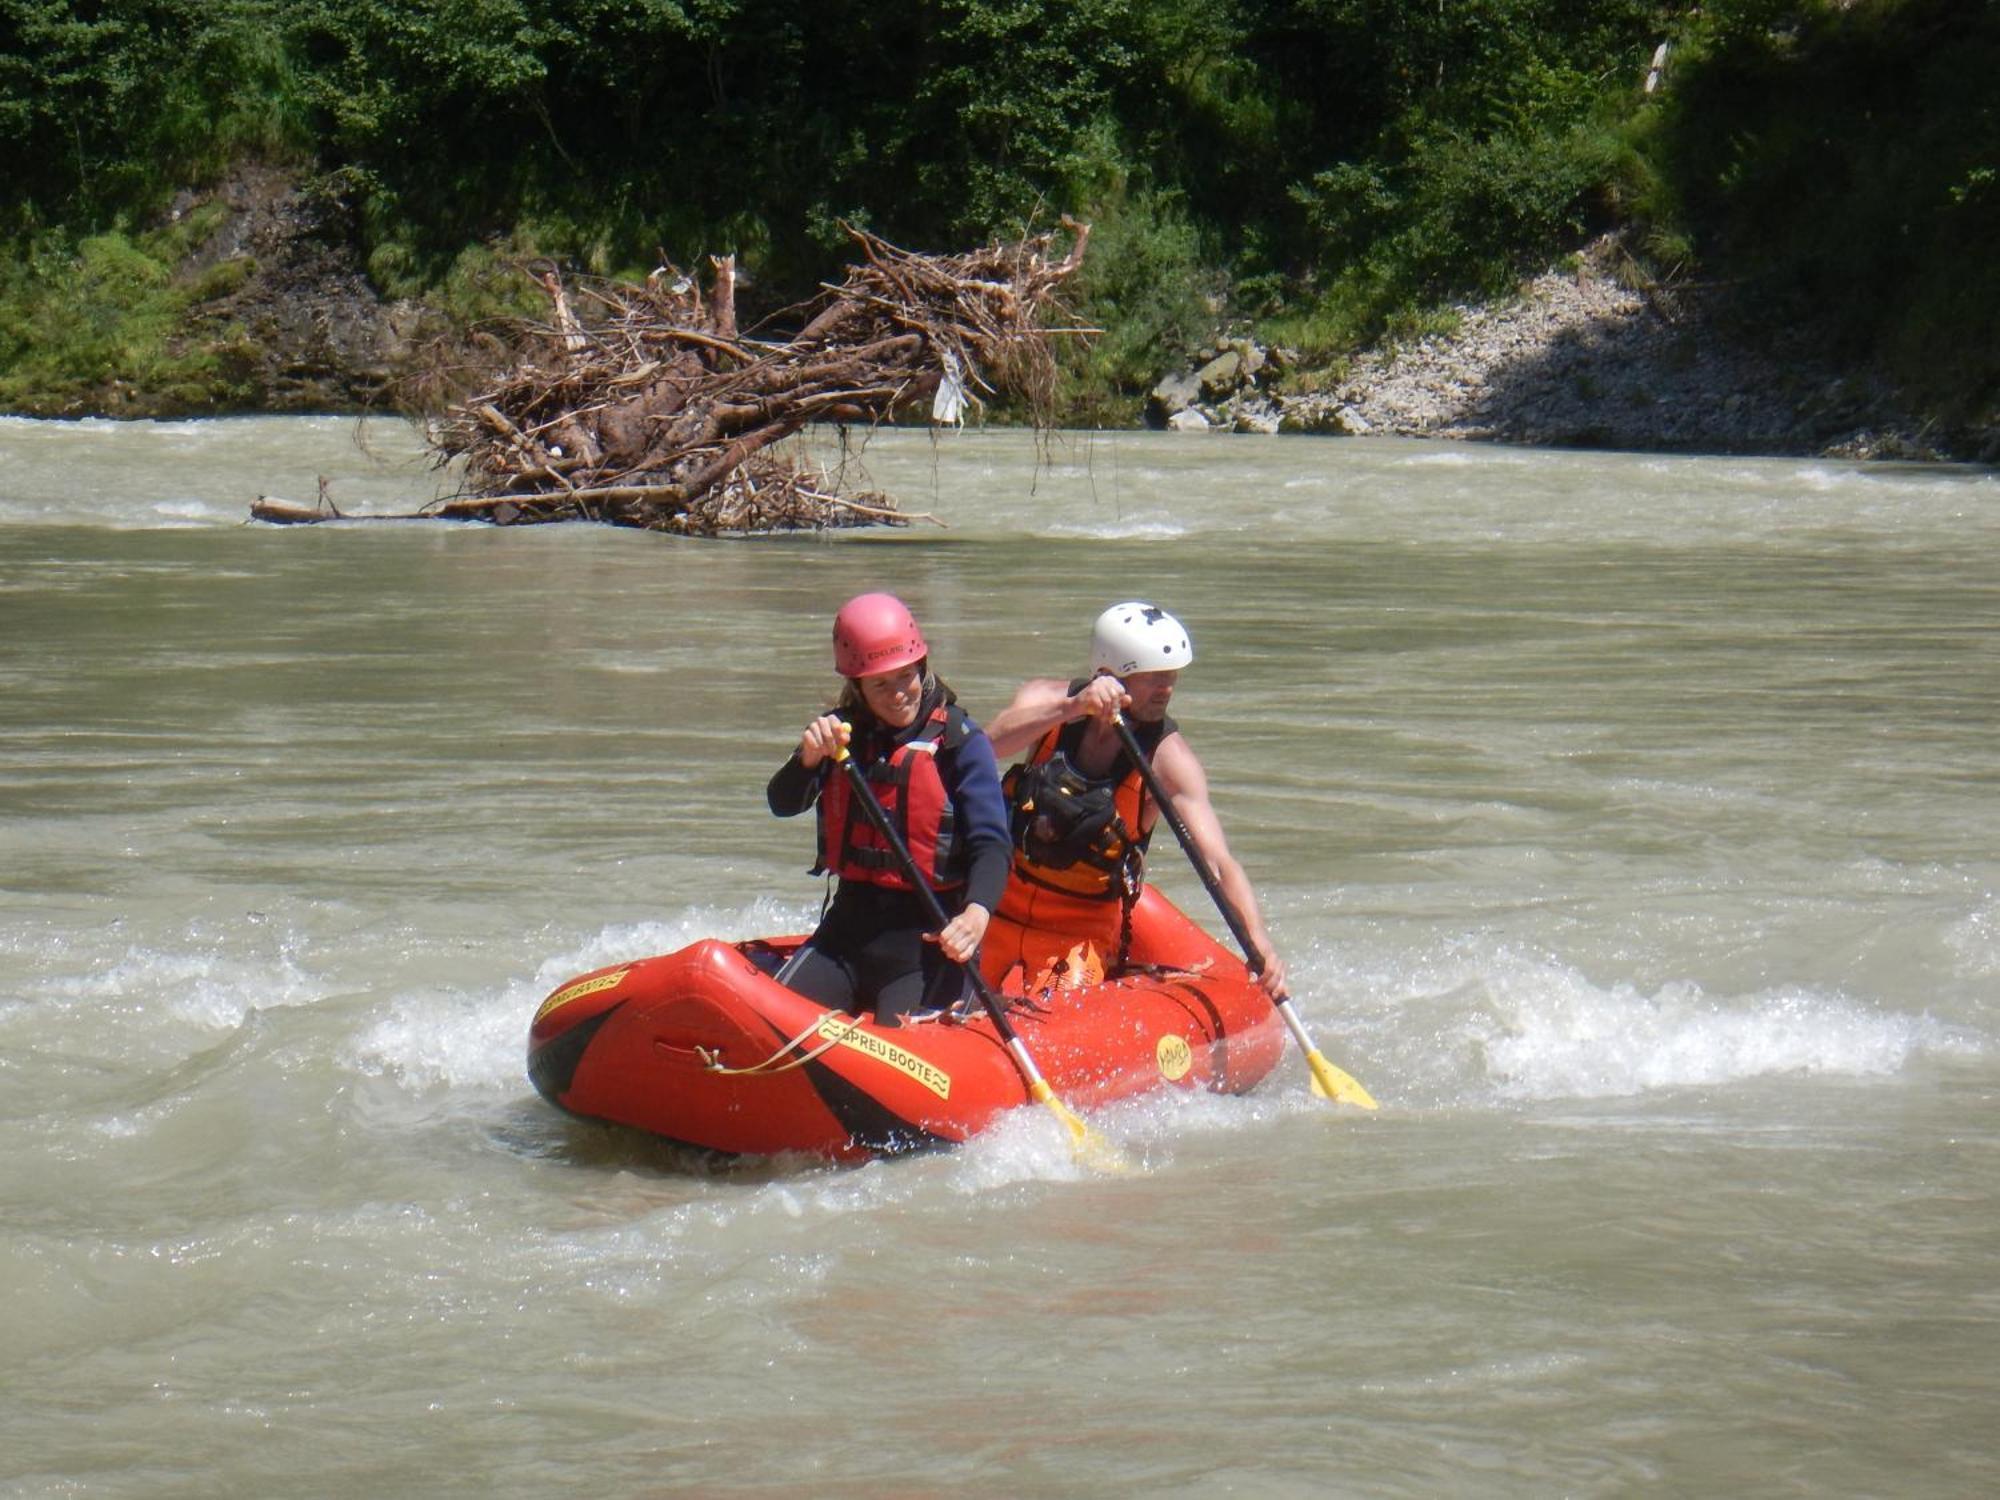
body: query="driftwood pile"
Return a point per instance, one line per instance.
(643, 405)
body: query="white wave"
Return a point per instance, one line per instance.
(1466, 458)
(202, 986)
(1136, 529)
(1823, 480)
(190, 511)
(430, 1038)
(1975, 940)
(1474, 1022)
(632, 664)
(1547, 1032)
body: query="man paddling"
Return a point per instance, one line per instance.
(1081, 813)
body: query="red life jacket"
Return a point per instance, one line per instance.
(907, 784)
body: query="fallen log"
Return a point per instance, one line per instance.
(515, 510)
(291, 513)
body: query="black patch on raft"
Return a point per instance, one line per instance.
(1219, 1049)
(552, 1066)
(867, 1121)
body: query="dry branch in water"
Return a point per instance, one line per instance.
(642, 405)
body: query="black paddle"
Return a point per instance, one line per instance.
(1327, 1080)
(1088, 1146)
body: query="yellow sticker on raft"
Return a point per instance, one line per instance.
(1174, 1056)
(849, 1034)
(578, 990)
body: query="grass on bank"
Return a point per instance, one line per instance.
(100, 324)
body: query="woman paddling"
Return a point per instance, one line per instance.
(933, 770)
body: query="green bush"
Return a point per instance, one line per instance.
(1150, 284)
(1838, 162)
(108, 109)
(78, 318)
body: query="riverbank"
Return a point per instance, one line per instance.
(250, 296)
(279, 316)
(1585, 355)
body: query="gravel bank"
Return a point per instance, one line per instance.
(1578, 359)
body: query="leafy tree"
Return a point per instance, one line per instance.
(1843, 163)
(106, 108)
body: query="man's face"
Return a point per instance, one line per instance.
(1149, 692)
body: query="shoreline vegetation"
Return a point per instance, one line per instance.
(1751, 226)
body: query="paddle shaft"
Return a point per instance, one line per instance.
(1087, 1146)
(1195, 857)
(1327, 1079)
(864, 795)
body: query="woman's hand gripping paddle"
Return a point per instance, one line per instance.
(1089, 1148)
(1327, 1080)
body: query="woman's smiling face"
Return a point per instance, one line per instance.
(895, 696)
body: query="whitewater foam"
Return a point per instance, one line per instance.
(1491, 1025)
(1134, 529)
(432, 1038)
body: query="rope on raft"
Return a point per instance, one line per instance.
(711, 1057)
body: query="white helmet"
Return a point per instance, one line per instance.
(1138, 637)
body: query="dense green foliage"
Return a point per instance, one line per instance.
(1330, 168)
(1842, 164)
(106, 108)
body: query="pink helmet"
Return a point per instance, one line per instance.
(875, 633)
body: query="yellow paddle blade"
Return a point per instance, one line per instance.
(1330, 1083)
(1090, 1149)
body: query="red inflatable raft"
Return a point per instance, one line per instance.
(704, 1047)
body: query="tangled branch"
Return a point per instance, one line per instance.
(643, 405)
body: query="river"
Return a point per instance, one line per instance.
(1629, 825)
